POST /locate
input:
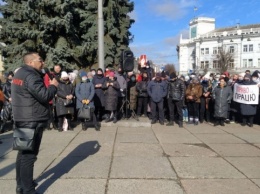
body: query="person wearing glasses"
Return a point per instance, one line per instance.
(30, 103)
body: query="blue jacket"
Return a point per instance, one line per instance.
(85, 90)
(157, 90)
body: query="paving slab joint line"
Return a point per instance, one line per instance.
(111, 162)
(230, 162)
(178, 180)
(59, 154)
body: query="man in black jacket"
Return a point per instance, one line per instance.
(30, 103)
(176, 93)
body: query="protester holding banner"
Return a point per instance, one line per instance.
(222, 95)
(248, 111)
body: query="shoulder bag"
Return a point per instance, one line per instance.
(24, 139)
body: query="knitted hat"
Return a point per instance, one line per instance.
(64, 74)
(255, 74)
(83, 73)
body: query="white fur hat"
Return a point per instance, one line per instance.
(64, 74)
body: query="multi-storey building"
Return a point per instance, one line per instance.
(200, 51)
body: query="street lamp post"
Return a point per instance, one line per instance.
(100, 35)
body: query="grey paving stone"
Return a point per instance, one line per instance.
(177, 138)
(127, 123)
(187, 150)
(141, 167)
(258, 145)
(48, 150)
(256, 181)
(251, 138)
(220, 186)
(134, 130)
(204, 128)
(235, 149)
(103, 129)
(144, 186)
(72, 186)
(135, 138)
(236, 129)
(170, 129)
(250, 166)
(78, 167)
(7, 167)
(138, 149)
(105, 149)
(219, 138)
(101, 138)
(7, 186)
(204, 167)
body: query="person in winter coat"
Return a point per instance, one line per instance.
(99, 98)
(85, 92)
(193, 94)
(222, 96)
(157, 90)
(6, 112)
(64, 101)
(132, 94)
(142, 96)
(176, 94)
(111, 88)
(248, 111)
(119, 75)
(205, 99)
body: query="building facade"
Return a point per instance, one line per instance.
(200, 52)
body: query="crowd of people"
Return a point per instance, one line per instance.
(165, 97)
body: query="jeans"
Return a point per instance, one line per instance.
(25, 159)
(142, 104)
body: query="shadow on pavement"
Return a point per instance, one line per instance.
(80, 153)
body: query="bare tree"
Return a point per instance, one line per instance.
(224, 58)
(170, 68)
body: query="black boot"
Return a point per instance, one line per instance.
(170, 123)
(216, 122)
(97, 126)
(222, 122)
(243, 122)
(2, 127)
(84, 128)
(251, 121)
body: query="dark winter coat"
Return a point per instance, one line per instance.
(7, 90)
(64, 89)
(248, 109)
(141, 88)
(157, 90)
(222, 97)
(111, 94)
(176, 90)
(99, 98)
(30, 97)
(85, 91)
(132, 94)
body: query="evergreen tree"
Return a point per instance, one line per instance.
(63, 31)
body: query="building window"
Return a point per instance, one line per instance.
(219, 49)
(202, 66)
(215, 65)
(206, 64)
(206, 51)
(245, 48)
(244, 62)
(251, 48)
(231, 64)
(215, 50)
(231, 49)
(250, 62)
(202, 51)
